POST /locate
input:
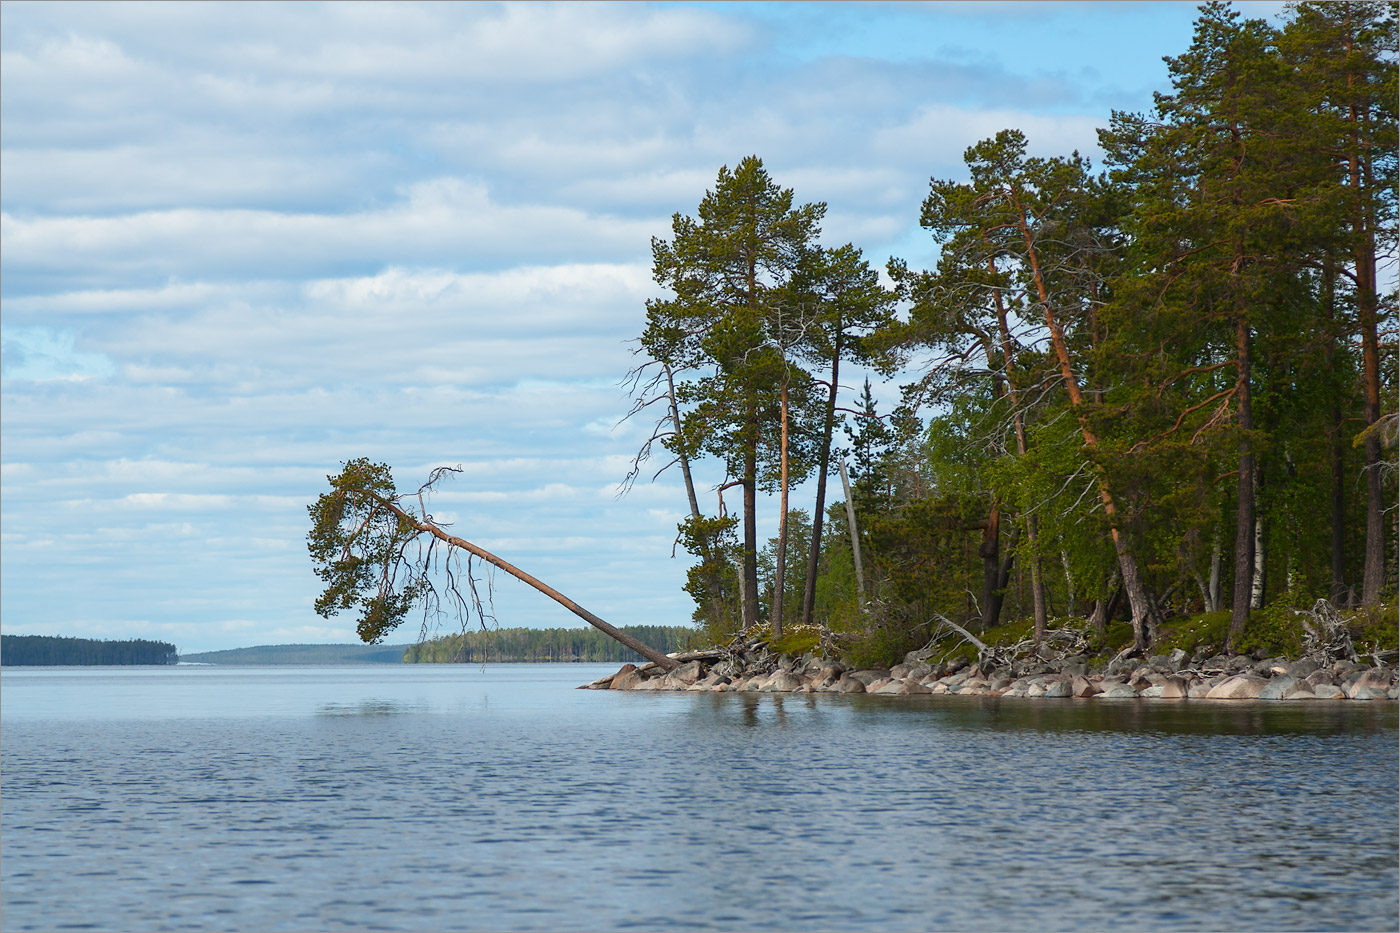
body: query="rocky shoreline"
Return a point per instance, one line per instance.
(1176, 676)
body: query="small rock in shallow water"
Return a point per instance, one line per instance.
(1059, 688)
(1119, 692)
(1328, 692)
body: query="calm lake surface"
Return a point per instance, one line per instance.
(425, 797)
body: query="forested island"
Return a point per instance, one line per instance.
(300, 654)
(548, 644)
(48, 650)
(1144, 403)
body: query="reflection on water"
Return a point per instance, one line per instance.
(455, 798)
(372, 708)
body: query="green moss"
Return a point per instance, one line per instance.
(1207, 630)
(799, 641)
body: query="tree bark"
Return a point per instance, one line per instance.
(809, 590)
(855, 536)
(1032, 525)
(779, 568)
(1244, 510)
(750, 483)
(646, 651)
(1127, 560)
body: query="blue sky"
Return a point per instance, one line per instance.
(242, 243)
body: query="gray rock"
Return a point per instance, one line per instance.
(1036, 689)
(1172, 688)
(1177, 659)
(849, 684)
(901, 671)
(913, 687)
(1082, 688)
(1328, 692)
(886, 686)
(1302, 667)
(871, 675)
(1000, 681)
(1394, 692)
(1276, 688)
(1059, 688)
(1119, 692)
(1371, 693)
(919, 671)
(1321, 676)
(1239, 687)
(1301, 690)
(1152, 693)
(1200, 688)
(1376, 677)
(784, 682)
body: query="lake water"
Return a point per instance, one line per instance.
(427, 797)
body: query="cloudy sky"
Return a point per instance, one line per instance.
(243, 243)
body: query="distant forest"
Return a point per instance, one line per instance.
(38, 650)
(546, 644)
(301, 654)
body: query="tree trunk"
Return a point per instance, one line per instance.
(1364, 246)
(990, 552)
(1008, 356)
(855, 536)
(1338, 593)
(646, 651)
(809, 590)
(779, 568)
(1127, 560)
(1215, 555)
(750, 484)
(1258, 582)
(1244, 510)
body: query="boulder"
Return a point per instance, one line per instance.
(1394, 692)
(901, 671)
(626, 679)
(1177, 659)
(1118, 691)
(1082, 687)
(871, 675)
(937, 687)
(1370, 693)
(849, 684)
(1328, 692)
(875, 685)
(1036, 689)
(1200, 688)
(913, 687)
(919, 671)
(1321, 676)
(1276, 688)
(688, 673)
(1000, 681)
(1302, 668)
(1170, 687)
(1376, 677)
(1301, 690)
(784, 682)
(1239, 687)
(1058, 689)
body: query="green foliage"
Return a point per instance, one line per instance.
(359, 550)
(1272, 631)
(1376, 628)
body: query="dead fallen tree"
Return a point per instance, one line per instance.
(379, 556)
